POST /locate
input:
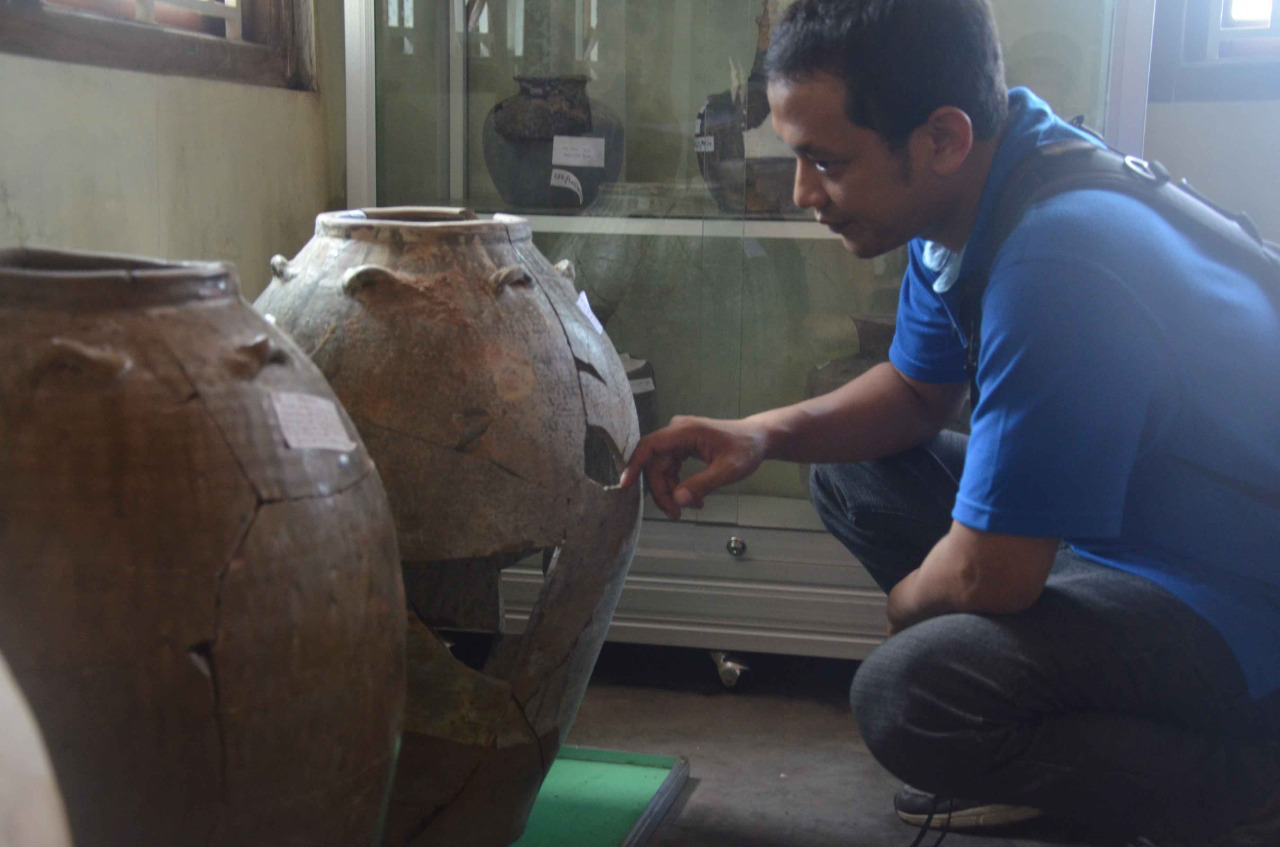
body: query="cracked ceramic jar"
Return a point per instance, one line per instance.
(199, 583)
(500, 418)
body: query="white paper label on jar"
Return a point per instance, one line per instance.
(308, 422)
(571, 151)
(704, 144)
(640, 386)
(564, 179)
(585, 308)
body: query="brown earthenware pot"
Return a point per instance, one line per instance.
(523, 138)
(199, 582)
(501, 419)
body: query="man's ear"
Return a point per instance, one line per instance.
(945, 140)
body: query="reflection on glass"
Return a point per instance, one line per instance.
(637, 134)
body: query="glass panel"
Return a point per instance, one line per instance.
(1061, 50)
(635, 135)
(654, 84)
(412, 102)
(666, 85)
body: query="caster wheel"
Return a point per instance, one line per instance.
(731, 670)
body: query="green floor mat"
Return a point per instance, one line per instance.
(601, 798)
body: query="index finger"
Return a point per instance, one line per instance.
(639, 459)
(654, 445)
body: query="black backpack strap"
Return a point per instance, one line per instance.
(1079, 164)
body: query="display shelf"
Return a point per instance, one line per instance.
(680, 227)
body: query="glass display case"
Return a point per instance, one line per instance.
(634, 135)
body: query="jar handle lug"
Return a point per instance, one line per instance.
(508, 276)
(68, 358)
(249, 359)
(567, 270)
(362, 277)
(281, 269)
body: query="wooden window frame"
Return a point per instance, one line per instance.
(278, 48)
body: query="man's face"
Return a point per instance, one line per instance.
(873, 198)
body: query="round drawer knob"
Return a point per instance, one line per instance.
(736, 546)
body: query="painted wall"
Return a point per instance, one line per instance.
(97, 159)
(1226, 150)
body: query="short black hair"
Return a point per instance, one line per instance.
(899, 59)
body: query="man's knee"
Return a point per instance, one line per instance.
(909, 709)
(881, 692)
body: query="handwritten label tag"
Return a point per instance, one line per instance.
(640, 386)
(565, 179)
(308, 422)
(704, 144)
(585, 308)
(570, 151)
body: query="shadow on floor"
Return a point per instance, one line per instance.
(775, 761)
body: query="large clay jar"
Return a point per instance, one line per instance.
(500, 418)
(551, 147)
(32, 813)
(199, 582)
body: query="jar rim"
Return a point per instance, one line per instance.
(72, 278)
(418, 223)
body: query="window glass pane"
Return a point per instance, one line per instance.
(1248, 13)
(189, 15)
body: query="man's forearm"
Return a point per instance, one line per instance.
(972, 571)
(876, 415)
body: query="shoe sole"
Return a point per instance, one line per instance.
(977, 817)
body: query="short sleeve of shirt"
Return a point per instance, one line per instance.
(1055, 437)
(925, 344)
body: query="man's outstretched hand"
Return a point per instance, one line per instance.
(732, 450)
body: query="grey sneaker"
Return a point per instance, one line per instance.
(927, 810)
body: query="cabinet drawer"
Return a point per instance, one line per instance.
(775, 556)
(791, 591)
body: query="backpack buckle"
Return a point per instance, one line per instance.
(1143, 168)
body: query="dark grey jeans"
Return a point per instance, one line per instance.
(1109, 701)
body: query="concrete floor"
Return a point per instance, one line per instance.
(775, 761)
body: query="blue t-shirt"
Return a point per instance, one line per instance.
(1130, 397)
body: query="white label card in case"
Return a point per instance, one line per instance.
(584, 306)
(704, 144)
(565, 179)
(571, 151)
(308, 422)
(642, 385)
